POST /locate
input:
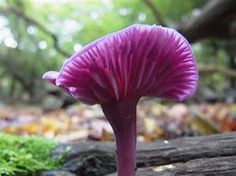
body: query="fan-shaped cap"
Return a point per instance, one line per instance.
(139, 60)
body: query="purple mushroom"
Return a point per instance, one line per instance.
(116, 70)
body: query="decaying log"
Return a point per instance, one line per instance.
(215, 154)
(219, 166)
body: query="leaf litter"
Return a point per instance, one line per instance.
(155, 121)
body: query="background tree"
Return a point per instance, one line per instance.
(36, 36)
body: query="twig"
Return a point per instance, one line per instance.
(155, 12)
(208, 69)
(21, 14)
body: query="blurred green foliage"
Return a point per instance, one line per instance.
(36, 36)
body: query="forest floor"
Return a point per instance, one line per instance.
(155, 121)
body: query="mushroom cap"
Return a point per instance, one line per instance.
(140, 60)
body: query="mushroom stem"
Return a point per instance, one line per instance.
(122, 117)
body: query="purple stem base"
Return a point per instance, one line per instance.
(122, 117)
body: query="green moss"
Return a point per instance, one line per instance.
(25, 156)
